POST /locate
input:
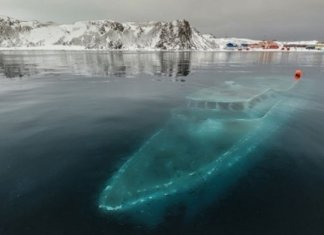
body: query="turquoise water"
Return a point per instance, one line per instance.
(70, 120)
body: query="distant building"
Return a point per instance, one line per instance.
(256, 45)
(265, 45)
(271, 45)
(319, 46)
(310, 47)
(290, 45)
(307, 46)
(231, 45)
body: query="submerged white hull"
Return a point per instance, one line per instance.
(198, 149)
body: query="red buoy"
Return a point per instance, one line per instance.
(298, 74)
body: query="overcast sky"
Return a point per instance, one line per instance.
(259, 19)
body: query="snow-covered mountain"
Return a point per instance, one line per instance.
(104, 34)
(112, 35)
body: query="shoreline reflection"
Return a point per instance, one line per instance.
(19, 64)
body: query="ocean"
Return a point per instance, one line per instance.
(70, 119)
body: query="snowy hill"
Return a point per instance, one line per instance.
(111, 35)
(104, 34)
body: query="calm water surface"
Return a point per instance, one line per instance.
(68, 120)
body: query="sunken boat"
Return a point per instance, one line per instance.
(204, 144)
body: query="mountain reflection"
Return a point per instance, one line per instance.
(178, 65)
(119, 64)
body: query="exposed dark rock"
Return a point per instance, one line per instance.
(178, 33)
